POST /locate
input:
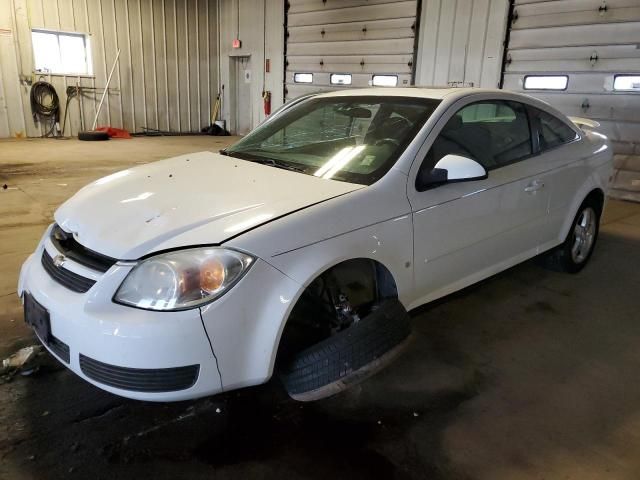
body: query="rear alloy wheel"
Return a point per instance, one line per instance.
(577, 248)
(584, 232)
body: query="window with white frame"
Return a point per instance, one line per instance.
(384, 80)
(303, 77)
(340, 79)
(546, 82)
(630, 83)
(61, 52)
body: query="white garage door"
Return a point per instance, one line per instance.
(583, 57)
(334, 44)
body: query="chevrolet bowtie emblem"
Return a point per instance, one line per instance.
(59, 260)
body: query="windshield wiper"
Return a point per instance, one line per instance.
(252, 157)
(278, 164)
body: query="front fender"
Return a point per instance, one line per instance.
(245, 325)
(388, 242)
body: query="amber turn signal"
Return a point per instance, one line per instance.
(212, 275)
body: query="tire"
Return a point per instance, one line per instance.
(91, 136)
(575, 252)
(349, 356)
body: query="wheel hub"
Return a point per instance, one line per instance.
(583, 233)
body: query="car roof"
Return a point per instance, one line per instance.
(436, 93)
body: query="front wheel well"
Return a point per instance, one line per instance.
(334, 299)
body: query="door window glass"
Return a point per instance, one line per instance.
(552, 131)
(494, 133)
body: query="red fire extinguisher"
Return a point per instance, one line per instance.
(266, 97)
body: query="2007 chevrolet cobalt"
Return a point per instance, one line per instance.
(300, 249)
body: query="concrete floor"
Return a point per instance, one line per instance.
(529, 375)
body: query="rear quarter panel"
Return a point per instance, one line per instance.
(585, 165)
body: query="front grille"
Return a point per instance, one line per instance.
(140, 379)
(65, 277)
(60, 348)
(70, 248)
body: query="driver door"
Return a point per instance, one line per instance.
(467, 231)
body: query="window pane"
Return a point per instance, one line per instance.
(323, 124)
(627, 82)
(493, 133)
(46, 52)
(352, 139)
(546, 82)
(72, 54)
(56, 52)
(553, 131)
(303, 77)
(341, 79)
(385, 80)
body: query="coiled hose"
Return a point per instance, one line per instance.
(45, 107)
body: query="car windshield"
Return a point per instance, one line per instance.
(353, 139)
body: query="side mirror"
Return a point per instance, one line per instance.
(452, 168)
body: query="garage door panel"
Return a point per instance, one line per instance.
(590, 41)
(626, 182)
(619, 132)
(625, 148)
(378, 38)
(332, 66)
(303, 6)
(601, 65)
(600, 107)
(622, 132)
(364, 47)
(370, 60)
(576, 53)
(373, 30)
(354, 14)
(584, 83)
(577, 18)
(576, 35)
(295, 90)
(537, 7)
(358, 80)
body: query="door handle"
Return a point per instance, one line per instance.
(534, 186)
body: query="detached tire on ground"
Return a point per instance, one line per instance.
(92, 136)
(349, 356)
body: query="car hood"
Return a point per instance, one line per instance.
(194, 199)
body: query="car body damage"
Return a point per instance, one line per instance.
(299, 250)
(195, 199)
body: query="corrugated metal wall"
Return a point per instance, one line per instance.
(461, 42)
(167, 74)
(357, 37)
(590, 41)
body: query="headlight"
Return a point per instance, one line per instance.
(182, 279)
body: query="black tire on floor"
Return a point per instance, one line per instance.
(561, 259)
(91, 136)
(350, 356)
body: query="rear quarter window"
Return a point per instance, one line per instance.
(552, 131)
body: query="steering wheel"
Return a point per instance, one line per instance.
(388, 140)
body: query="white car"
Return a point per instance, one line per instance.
(301, 248)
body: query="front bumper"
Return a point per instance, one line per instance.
(124, 346)
(232, 341)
